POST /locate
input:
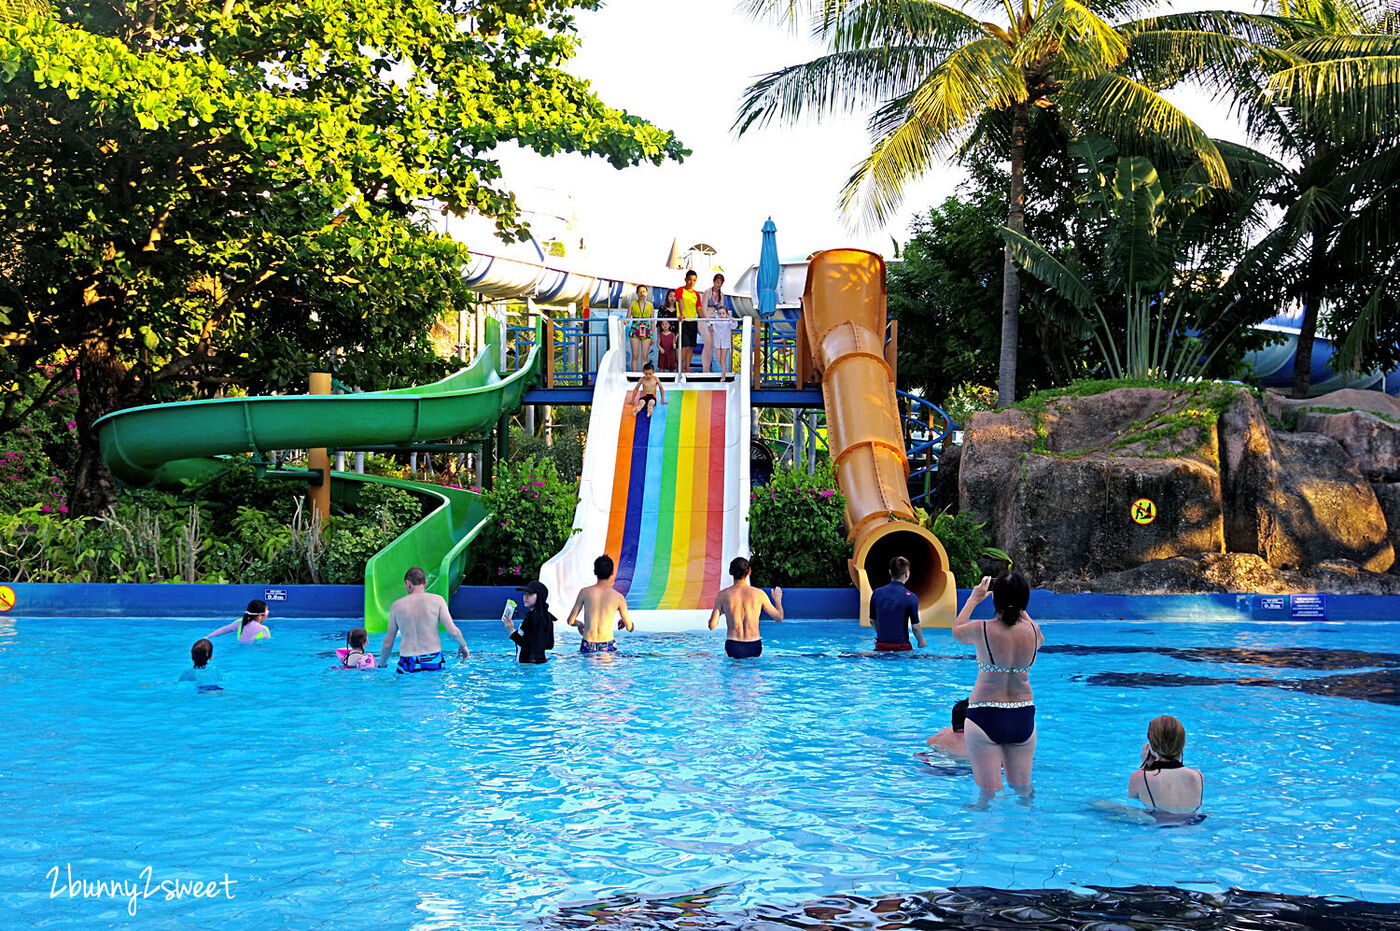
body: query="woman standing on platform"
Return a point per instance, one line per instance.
(720, 339)
(639, 329)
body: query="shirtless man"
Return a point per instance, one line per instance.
(742, 606)
(952, 738)
(418, 614)
(600, 603)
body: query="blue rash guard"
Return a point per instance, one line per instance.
(892, 609)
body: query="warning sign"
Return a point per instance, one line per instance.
(7, 598)
(1143, 511)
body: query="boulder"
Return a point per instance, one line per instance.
(1370, 439)
(1388, 496)
(1296, 499)
(1347, 399)
(1058, 493)
(1235, 572)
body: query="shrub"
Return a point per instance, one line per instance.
(967, 399)
(532, 513)
(797, 531)
(965, 541)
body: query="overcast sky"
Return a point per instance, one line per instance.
(683, 66)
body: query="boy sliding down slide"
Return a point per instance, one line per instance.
(646, 392)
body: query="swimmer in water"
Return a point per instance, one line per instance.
(600, 603)
(1171, 791)
(251, 628)
(418, 614)
(204, 678)
(951, 739)
(353, 655)
(742, 606)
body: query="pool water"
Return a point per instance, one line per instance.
(498, 796)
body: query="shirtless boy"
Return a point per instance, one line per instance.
(647, 392)
(742, 606)
(417, 615)
(600, 603)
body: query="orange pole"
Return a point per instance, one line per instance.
(319, 460)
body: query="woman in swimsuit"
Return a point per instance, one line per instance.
(1171, 791)
(1000, 727)
(639, 329)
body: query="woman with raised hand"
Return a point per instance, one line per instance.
(1000, 726)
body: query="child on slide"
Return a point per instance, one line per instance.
(645, 394)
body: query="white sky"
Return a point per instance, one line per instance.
(684, 66)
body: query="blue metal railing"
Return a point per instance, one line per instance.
(923, 442)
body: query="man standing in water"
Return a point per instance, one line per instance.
(742, 606)
(600, 603)
(894, 611)
(417, 615)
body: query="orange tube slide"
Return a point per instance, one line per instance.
(843, 309)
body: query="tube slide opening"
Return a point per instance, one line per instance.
(927, 562)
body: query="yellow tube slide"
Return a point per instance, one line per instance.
(843, 309)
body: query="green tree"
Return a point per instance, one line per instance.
(1329, 106)
(197, 197)
(936, 73)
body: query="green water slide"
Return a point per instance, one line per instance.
(169, 444)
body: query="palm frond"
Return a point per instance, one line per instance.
(1070, 33)
(1033, 257)
(1120, 106)
(1356, 97)
(1356, 45)
(882, 23)
(842, 82)
(911, 131)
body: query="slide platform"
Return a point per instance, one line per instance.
(166, 444)
(667, 497)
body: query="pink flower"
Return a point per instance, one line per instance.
(72, 425)
(44, 509)
(63, 509)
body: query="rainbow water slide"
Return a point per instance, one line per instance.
(168, 444)
(843, 310)
(666, 496)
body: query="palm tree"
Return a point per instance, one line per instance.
(933, 72)
(1331, 110)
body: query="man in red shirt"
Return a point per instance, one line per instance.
(687, 311)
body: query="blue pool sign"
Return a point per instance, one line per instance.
(1308, 607)
(275, 594)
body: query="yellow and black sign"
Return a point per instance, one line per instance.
(7, 598)
(1143, 511)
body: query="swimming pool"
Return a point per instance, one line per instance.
(497, 796)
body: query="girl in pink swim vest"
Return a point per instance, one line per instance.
(353, 655)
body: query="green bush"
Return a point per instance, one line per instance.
(797, 532)
(36, 459)
(532, 513)
(967, 399)
(965, 541)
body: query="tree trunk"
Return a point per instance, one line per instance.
(1312, 308)
(100, 377)
(1010, 283)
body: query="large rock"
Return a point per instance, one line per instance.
(1295, 499)
(1056, 487)
(1371, 439)
(1059, 493)
(1388, 496)
(1235, 572)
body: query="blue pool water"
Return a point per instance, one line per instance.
(496, 796)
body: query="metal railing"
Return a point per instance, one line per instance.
(926, 427)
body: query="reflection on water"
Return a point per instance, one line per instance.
(1382, 686)
(1288, 657)
(981, 907)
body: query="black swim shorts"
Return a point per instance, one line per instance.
(690, 333)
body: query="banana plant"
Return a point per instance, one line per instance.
(1144, 221)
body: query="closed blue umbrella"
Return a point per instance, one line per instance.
(768, 270)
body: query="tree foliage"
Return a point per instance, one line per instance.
(207, 197)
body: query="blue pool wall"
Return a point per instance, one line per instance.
(484, 603)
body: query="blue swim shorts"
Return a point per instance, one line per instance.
(602, 646)
(424, 663)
